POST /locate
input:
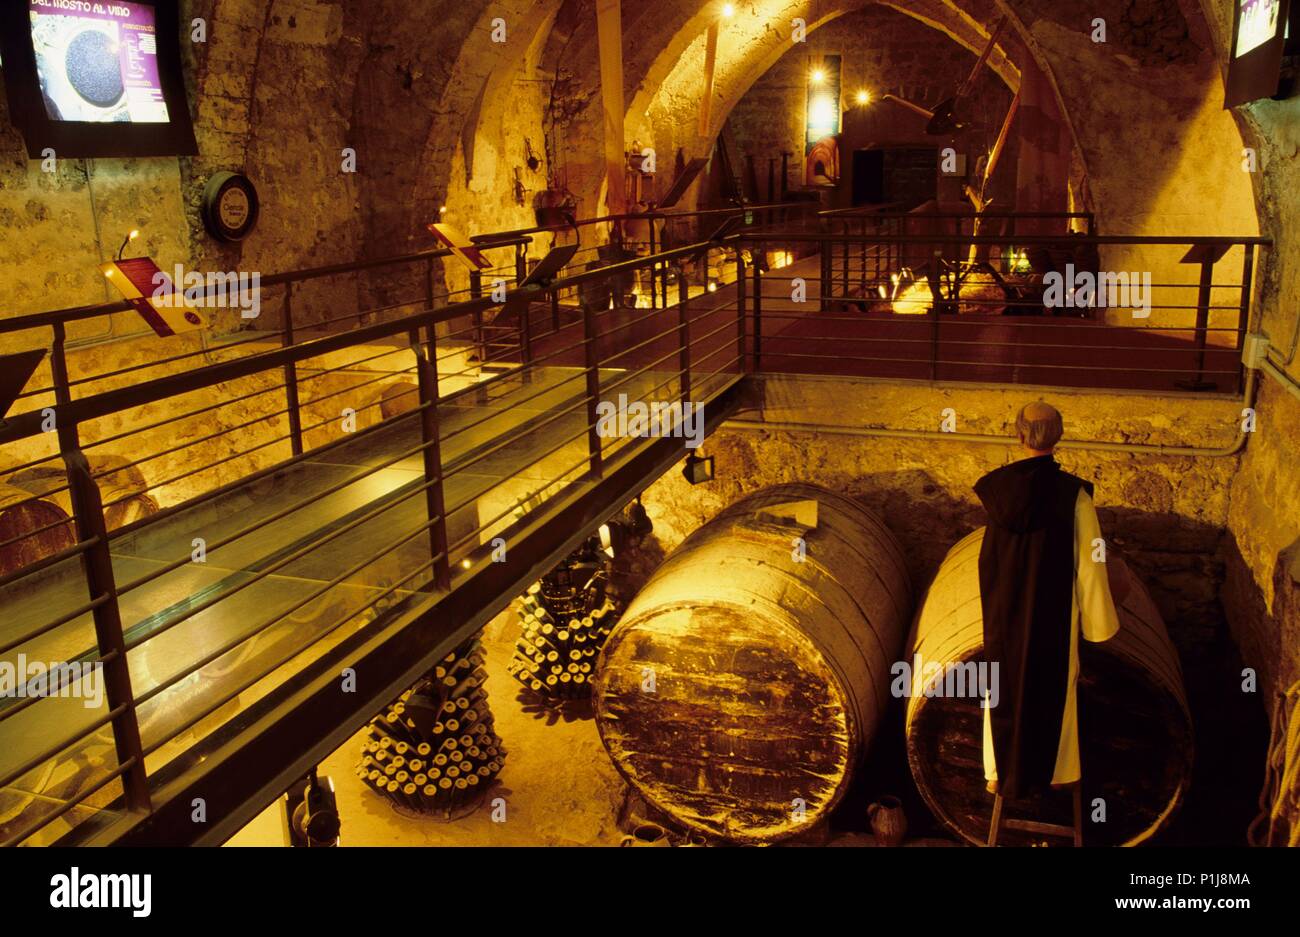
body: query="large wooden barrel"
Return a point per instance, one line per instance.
(742, 685)
(31, 528)
(1135, 727)
(123, 489)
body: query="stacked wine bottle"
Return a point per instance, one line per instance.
(555, 655)
(434, 750)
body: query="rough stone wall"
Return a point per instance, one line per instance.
(663, 65)
(883, 51)
(1162, 156)
(1165, 513)
(1263, 576)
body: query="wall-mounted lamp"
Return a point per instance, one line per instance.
(728, 10)
(864, 97)
(134, 233)
(818, 76)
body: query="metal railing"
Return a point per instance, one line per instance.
(282, 532)
(988, 308)
(335, 530)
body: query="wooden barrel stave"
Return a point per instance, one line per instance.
(1135, 727)
(770, 674)
(123, 489)
(31, 528)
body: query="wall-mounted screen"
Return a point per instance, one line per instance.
(98, 61)
(1259, 35)
(1258, 24)
(96, 77)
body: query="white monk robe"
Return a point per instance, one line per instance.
(1093, 613)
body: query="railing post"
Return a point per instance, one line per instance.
(684, 337)
(97, 563)
(844, 255)
(593, 387)
(521, 263)
(936, 300)
(757, 313)
(825, 274)
(426, 371)
(291, 375)
(1202, 326)
(526, 334)
(862, 254)
(654, 269)
(741, 303)
(59, 366)
(1243, 317)
(476, 292)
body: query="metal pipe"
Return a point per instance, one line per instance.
(1273, 370)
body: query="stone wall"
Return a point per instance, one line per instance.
(1265, 513)
(266, 100)
(1263, 572)
(883, 51)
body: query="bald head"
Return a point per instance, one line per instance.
(1039, 427)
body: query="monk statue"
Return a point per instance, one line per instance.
(1042, 583)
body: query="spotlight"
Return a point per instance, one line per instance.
(698, 470)
(312, 813)
(728, 10)
(465, 563)
(864, 97)
(818, 76)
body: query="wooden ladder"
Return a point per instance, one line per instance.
(1075, 832)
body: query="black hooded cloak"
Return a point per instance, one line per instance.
(1027, 574)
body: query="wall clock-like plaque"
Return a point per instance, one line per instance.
(230, 206)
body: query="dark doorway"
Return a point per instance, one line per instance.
(906, 175)
(868, 177)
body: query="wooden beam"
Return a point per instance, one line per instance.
(710, 68)
(609, 33)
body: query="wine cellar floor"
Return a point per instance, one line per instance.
(560, 787)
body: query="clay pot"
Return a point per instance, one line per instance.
(888, 822)
(647, 834)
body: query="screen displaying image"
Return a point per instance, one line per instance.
(98, 61)
(1258, 24)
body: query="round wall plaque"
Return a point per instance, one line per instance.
(230, 206)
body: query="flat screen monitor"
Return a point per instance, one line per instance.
(1259, 38)
(96, 77)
